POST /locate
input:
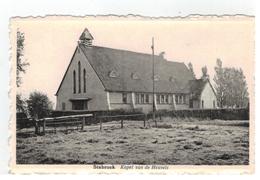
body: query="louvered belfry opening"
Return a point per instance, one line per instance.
(86, 38)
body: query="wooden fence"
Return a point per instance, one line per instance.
(22, 123)
(122, 118)
(80, 121)
(63, 121)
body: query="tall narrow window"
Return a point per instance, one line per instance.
(124, 98)
(162, 99)
(158, 99)
(167, 99)
(63, 106)
(147, 98)
(142, 98)
(79, 76)
(137, 98)
(202, 104)
(74, 81)
(84, 80)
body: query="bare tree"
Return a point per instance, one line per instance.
(20, 61)
(20, 103)
(204, 72)
(219, 83)
(190, 66)
(231, 86)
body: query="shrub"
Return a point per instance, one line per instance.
(39, 105)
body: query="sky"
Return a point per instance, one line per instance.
(49, 44)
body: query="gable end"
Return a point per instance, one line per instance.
(66, 71)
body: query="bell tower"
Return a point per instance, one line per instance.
(86, 38)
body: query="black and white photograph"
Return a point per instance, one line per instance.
(130, 92)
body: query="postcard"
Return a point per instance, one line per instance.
(132, 94)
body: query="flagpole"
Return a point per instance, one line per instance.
(153, 83)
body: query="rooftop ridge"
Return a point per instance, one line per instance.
(134, 52)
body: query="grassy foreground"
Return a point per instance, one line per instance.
(174, 142)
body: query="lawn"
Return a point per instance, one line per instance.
(173, 142)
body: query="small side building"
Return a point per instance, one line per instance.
(202, 94)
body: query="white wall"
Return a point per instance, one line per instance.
(116, 101)
(208, 96)
(94, 87)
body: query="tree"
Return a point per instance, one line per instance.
(20, 62)
(219, 83)
(20, 104)
(231, 87)
(204, 72)
(190, 66)
(235, 86)
(39, 105)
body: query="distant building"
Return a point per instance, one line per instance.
(100, 78)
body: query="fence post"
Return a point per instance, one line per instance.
(100, 122)
(155, 121)
(122, 125)
(83, 123)
(145, 117)
(43, 127)
(55, 126)
(36, 126)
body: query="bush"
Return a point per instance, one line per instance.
(39, 105)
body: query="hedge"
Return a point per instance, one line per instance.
(224, 114)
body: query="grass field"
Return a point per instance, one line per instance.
(175, 142)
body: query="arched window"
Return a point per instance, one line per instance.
(74, 81)
(79, 76)
(84, 80)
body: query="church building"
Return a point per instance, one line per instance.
(101, 78)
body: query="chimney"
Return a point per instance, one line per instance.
(86, 38)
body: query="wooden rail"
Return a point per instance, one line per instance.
(24, 123)
(80, 120)
(122, 120)
(73, 120)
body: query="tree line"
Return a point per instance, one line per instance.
(230, 85)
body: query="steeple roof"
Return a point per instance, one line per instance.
(86, 35)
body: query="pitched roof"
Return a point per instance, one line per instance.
(125, 63)
(196, 87)
(86, 35)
